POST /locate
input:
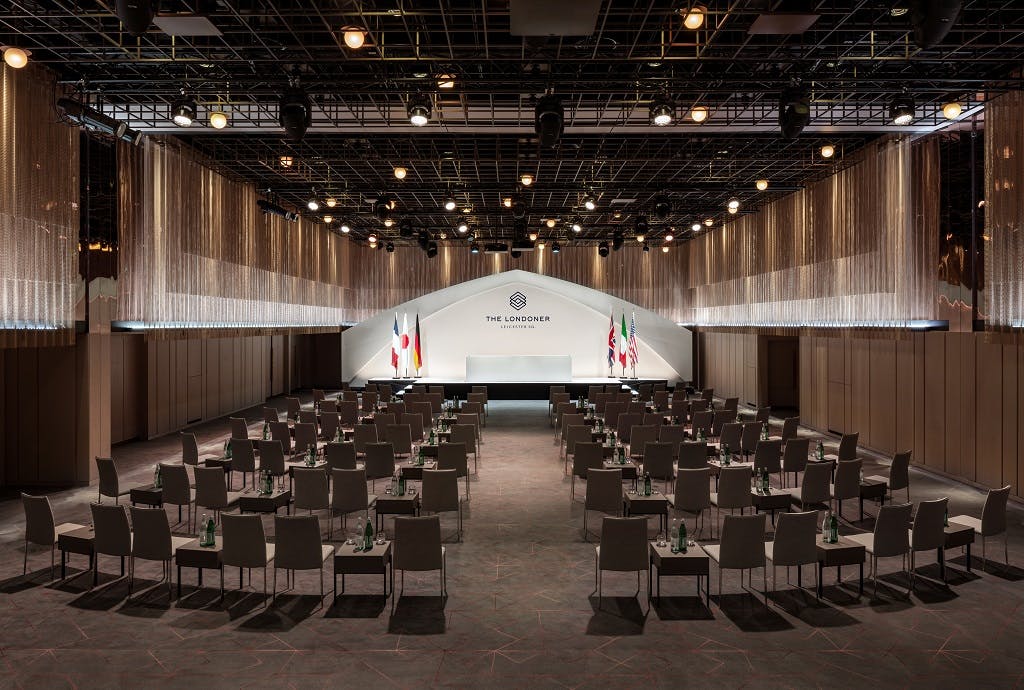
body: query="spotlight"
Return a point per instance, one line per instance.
(734, 204)
(431, 249)
(695, 227)
(328, 219)
(467, 209)
(647, 248)
(218, 119)
(661, 112)
(474, 248)
(84, 116)
(526, 179)
(901, 110)
(388, 222)
(295, 112)
(515, 253)
(423, 239)
(555, 247)
(550, 222)
(549, 120)
(518, 208)
(794, 111)
(449, 204)
(507, 202)
(471, 237)
(354, 37)
(345, 228)
(463, 227)
(828, 150)
(693, 18)
(183, 111)
(576, 227)
(286, 161)
(640, 226)
(709, 222)
(313, 204)
(383, 205)
(446, 81)
(331, 202)
(602, 249)
(761, 185)
(420, 109)
(400, 172)
(405, 229)
(699, 113)
(669, 237)
(662, 207)
(136, 15)
(390, 247)
(952, 110)
(533, 235)
(664, 249)
(372, 239)
(641, 238)
(273, 209)
(541, 244)
(589, 203)
(617, 240)
(933, 20)
(16, 57)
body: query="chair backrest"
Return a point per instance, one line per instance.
(588, 456)
(553, 390)
(436, 401)
(452, 456)
(847, 480)
(929, 530)
(293, 406)
(109, 485)
(211, 491)
(272, 457)
(189, 448)
(310, 489)
(601, 402)
(731, 404)
(415, 424)
(660, 400)
(468, 419)
(576, 434)
(658, 460)
(308, 417)
(382, 420)
(559, 399)
(384, 394)
(39, 524)
(363, 435)
(696, 406)
(655, 419)
(349, 491)
(796, 539)
(174, 477)
(763, 415)
(674, 434)
(297, 542)
(899, 471)
(380, 460)
(243, 457)
(569, 420)
(340, 455)
(743, 541)
(635, 407)
(465, 434)
(625, 423)
(329, 424)
(244, 542)
(348, 412)
(693, 489)
(734, 487)
(239, 429)
(594, 391)
(707, 394)
(848, 446)
(398, 409)
(270, 414)
(794, 456)
(113, 534)
(350, 395)
(640, 436)
(305, 436)
(623, 544)
(477, 398)
(790, 425)
(400, 437)
(604, 490)
(417, 543)
(814, 488)
(693, 455)
(750, 437)
(425, 412)
(281, 432)
(731, 435)
(369, 401)
(151, 534)
(892, 530)
(473, 408)
(702, 422)
(645, 391)
(993, 516)
(418, 389)
(612, 410)
(768, 456)
(436, 390)
(440, 490)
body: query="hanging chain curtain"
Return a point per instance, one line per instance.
(1002, 300)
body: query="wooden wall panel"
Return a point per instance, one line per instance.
(954, 429)
(968, 388)
(28, 415)
(194, 374)
(1010, 421)
(935, 400)
(859, 401)
(55, 450)
(919, 397)
(117, 376)
(904, 396)
(1020, 426)
(821, 381)
(989, 465)
(884, 401)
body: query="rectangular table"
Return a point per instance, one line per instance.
(252, 502)
(843, 552)
(81, 541)
(192, 555)
(693, 563)
(414, 472)
(872, 490)
(956, 535)
(638, 504)
(376, 561)
(629, 468)
(775, 499)
(390, 504)
(148, 495)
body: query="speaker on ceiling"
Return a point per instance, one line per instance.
(136, 15)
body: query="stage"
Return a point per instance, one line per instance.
(513, 390)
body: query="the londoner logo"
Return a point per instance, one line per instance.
(517, 300)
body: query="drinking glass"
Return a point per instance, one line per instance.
(661, 539)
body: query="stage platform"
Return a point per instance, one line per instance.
(512, 390)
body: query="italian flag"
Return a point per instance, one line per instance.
(623, 342)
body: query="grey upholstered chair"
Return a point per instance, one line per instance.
(270, 414)
(604, 494)
(790, 426)
(348, 413)
(272, 458)
(380, 462)
(763, 415)
(305, 438)
(847, 483)
(382, 420)
(40, 528)
(693, 455)
(890, 538)
(674, 434)
(794, 459)
(768, 456)
(340, 455)
(452, 456)
(362, 436)
(293, 406)
(847, 448)
(623, 548)
(415, 423)
(750, 437)
(329, 425)
(693, 495)
(655, 419)
(702, 423)
(795, 544)
(349, 495)
(282, 433)
(243, 459)
(639, 437)
(112, 534)
(190, 450)
(814, 491)
(310, 489)
(298, 547)
(152, 541)
(212, 493)
(176, 490)
(588, 456)
(928, 532)
(992, 522)
(899, 475)
(468, 436)
(658, 461)
(308, 417)
(109, 484)
(417, 547)
(440, 494)
(578, 433)
(733, 490)
(400, 437)
(741, 547)
(239, 428)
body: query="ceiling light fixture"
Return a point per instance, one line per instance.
(218, 119)
(709, 222)
(602, 249)
(794, 111)
(693, 18)
(474, 248)
(695, 227)
(550, 222)
(295, 111)
(449, 204)
(589, 203)
(16, 57)
(354, 37)
(952, 110)
(400, 172)
(618, 239)
(390, 247)
(331, 202)
(669, 237)
(828, 150)
(463, 227)
(533, 235)
(286, 161)
(431, 249)
(647, 247)
(555, 247)
(388, 222)
(372, 239)
(761, 185)
(446, 81)
(328, 219)
(549, 120)
(313, 204)
(183, 111)
(420, 109)
(576, 227)
(662, 111)
(641, 238)
(507, 202)
(901, 110)
(345, 228)
(664, 249)
(699, 113)
(526, 179)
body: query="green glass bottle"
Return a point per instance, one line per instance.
(310, 455)
(158, 480)
(766, 487)
(368, 536)
(681, 538)
(726, 454)
(821, 452)
(833, 529)
(266, 431)
(401, 483)
(211, 539)
(647, 484)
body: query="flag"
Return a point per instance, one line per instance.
(405, 343)
(634, 357)
(611, 340)
(396, 345)
(417, 354)
(622, 342)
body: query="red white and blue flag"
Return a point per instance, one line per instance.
(396, 345)
(634, 356)
(611, 340)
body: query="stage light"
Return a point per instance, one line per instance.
(463, 227)
(646, 247)
(372, 239)
(286, 161)
(471, 237)
(901, 110)
(640, 226)
(661, 112)
(589, 203)
(183, 111)
(662, 207)
(388, 222)
(518, 208)
(85, 116)
(331, 202)
(136, 15)
(16, 57)
(526, 179)
(549, 120)
(541, 244)
(218, 119)
(400, 172)
(449, 204)
(550, 222)
(515, 253)
(952, 110)
(699, 113)
(576, 227)
(709, 222)
(345, 227)
(618, 239)
(431, 249)
(405, 229)
(328, 219)
(828, 150)
(295, 111)
(313, 204)
(761, 184)
(933, 20)
(733, 204)
(694, 17)
(641, 238)
(390, 247)
(555, 247)
(794, 111)
(602, 249)
(474, 248)
(533, 235)
(669, 237)
(420, 109)
(276, 210)
(695, 227)
(467, 209)
(446, 81)
(664, 249)
(354, 37)
(507, 202)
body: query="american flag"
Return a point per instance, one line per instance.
(634, 357)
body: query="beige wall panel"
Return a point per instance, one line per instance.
(117, 397)
(989, 440)
(905, 395)
(212, 400)
(180, 377)
(859, 402)
(28, 414)
(821, 382)
(968, 389)
(227, 375)
(1008, 474)
(954, 412)
(56, 415)
(919, 398)
(934, 376)
(884, 400)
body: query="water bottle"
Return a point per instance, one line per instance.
(833, 529)
(158, 481)
(673, 534)
(825, 527)
(765, 431)
(726, 454)
(647, 483)
(681, 538)
(821, 451)
(202, 531)
(359, 529)
(311, 455)
(211, 539)
(266, 431)
(368, 536)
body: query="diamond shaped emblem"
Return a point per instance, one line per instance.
(517, 301)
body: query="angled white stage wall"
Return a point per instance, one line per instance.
(521, 314)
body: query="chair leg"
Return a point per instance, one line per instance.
(273, 596)
(24, 567)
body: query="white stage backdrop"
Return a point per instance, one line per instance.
(516, 313)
